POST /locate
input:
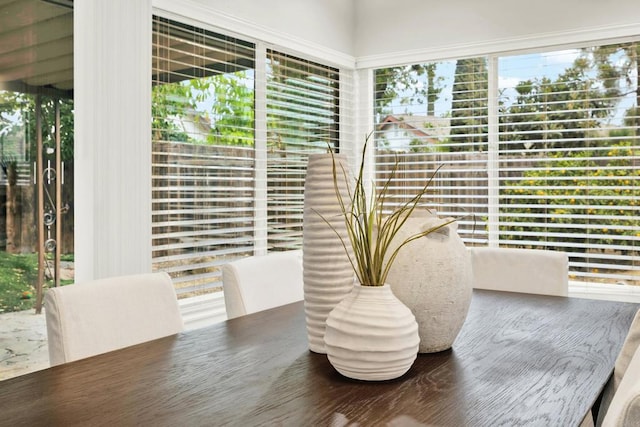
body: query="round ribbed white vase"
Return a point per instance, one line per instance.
(371, 335)
(432, 276)
(328, 274)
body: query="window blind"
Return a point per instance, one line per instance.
(203, 160)
(302, 118)
(233, 125)
(434, 117)
(569, 156)
(540, 148)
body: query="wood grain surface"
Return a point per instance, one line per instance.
(519, 360)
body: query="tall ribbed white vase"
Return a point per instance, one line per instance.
(328, 274)
(371, 335)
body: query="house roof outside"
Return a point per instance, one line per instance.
(429, 130)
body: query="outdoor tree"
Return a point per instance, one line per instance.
(557, 113)
(469, 111)
(434, 87)
(619, 69)
(410, 86)
(214, 110)
(407, 85)
(299, 99)
(582, 197)
(169, 102)
(11, 132)
(226, 102)
(17, 115)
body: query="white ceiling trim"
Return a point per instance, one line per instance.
(210, 17)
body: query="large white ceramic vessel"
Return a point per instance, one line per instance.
(432, 276)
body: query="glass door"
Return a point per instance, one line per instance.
(36, 181)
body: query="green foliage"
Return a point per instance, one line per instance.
(232, 112)
(18, 274)
(17, 114)
(168, 101)
(618, 68)
(216, 110)
(547, 113)
(469, 105)
(403, 84)
(301, 104)
(559, 192)
(558, 113)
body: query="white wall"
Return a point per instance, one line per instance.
(389, 32)
(381, 32)
(323, 29)
(112, 96)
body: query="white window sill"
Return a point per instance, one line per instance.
(624, 293)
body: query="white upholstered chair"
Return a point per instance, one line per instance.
(261, 282)
(99, 316)
(624, 410)
(520, 270)
(620, 404)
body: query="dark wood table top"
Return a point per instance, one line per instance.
(519, 360)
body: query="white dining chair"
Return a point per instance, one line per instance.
(261, 282)
(624, 410)
(620, 404)
(95, 317)
(532, 271)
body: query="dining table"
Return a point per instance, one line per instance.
(519, 360)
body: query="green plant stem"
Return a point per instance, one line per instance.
(370, 232)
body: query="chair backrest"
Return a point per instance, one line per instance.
(624, 409)
(624, 364)
(520, 270)
(103, 315)
(261, 282)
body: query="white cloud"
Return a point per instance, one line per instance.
(510, 81)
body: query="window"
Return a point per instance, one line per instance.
(541, 150)
(302, 118)
(230, 144)
(569, 158)
(430, 116)
(203, 139)
(36, 151)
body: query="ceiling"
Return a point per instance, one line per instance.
(36, 46)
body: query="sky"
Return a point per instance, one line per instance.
(511, 70)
